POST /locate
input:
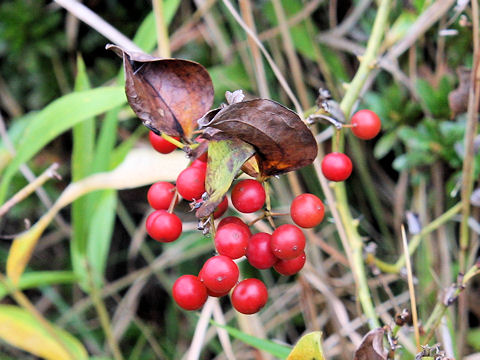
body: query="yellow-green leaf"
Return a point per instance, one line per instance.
(225, 158)
(19, 328)
(308, 347)
(138, 169)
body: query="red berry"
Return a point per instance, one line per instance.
(191, 183)
(160, 144)
(199, 163)
(219, 274)
(336, 166)
(248, 196)
(221, 208)
(231, 240)
(160, 195)
(307, 210)
(210, 292)
(189, 292)
(259, 253)
(235, 220)
(249, 296)
(163, 226)
(287, 242)
(366, 124)
(290, 267)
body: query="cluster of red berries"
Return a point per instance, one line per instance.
(282, 250)
(365, 125)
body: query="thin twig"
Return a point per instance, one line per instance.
(49, 173)
(200, 330)
(97, 23)
(411, 289)
(162, 29)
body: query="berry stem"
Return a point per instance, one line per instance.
(172, 140)
(355, 242)
(173, 202)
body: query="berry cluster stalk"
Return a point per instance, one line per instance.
(367, 62)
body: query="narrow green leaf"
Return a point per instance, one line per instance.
(37, 279)
(385, 144)
(19, 328)
(277, 350)
(58, 117)
(100, 234)
(82, 156)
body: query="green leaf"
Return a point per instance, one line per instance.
(385, 144)
(473, 338)
(100, 235)
(58, 117)
(277, 350)
(308, 347)
(36, 279)
(146, 36)
(225, 158)
(19, 328)
(82, 157)
(399, 28)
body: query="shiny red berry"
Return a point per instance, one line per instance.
(235, 220)
(366, 124)
(336, 166)
(219, 274)
(231, 240)
(249, 296)
(189, 292)
(163, 226)
(307, 210)
(248, 196)
(191, 183)
(259, 253)
(287, 242)
(160, 144)
(160, 195)
(221, 208)
(290, 267)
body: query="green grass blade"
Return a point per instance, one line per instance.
(277, 350)
(36, 279)
(58, 117)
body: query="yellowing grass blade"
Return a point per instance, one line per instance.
(22, 330)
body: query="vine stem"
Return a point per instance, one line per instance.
(355, 241)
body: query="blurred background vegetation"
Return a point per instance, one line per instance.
(95, 273)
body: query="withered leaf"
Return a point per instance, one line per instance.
(282, 141)
(371, 347)
(168, 95)
(458, 98)
(225, 158)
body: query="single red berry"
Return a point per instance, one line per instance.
(235, 220)
(160, 195)
(231, 240)
(336, 166)
(221, 208)
(219, 274)
(191, 183)
(287, 242)
(210, 292)
(366, 124)
(249, 296)
(259, 253)
(199, 163)
(164, 226)
(248, 196)
(290, 267)
(203, 157)
(189, 292)
(307, 210)
(160, 144)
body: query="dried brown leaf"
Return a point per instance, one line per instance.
(168, 95)
(458, 98)
(371, 347)
(282, 141)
